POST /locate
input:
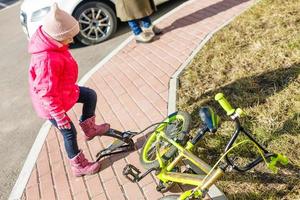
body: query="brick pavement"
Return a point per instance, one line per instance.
(132, 90)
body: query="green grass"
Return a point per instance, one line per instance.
(255, 62)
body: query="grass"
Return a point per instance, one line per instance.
(255, 62)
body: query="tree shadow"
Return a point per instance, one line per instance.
(255, 195)
(252, 90)
(245, 92)
(202, 14)
(267, 177)
(288, 178)
(293, 122)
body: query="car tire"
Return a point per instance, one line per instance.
(97, 22)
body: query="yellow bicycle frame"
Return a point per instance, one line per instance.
(201, 181)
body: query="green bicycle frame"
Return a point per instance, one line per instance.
(166, 173)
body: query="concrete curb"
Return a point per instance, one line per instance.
(30, 161)
(213, 192)
(5, 6)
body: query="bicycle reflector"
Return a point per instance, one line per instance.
(209, 118)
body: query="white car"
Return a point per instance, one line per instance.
(97, 18)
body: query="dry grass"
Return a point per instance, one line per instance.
(255, 62)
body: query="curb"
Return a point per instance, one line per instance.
(30, 161)
(5, 6)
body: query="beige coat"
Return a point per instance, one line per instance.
(134, 9)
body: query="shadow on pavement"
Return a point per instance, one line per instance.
(202, 14)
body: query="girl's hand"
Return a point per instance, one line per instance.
(67, 126)
(63, 121)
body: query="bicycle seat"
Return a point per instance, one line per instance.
(209, 118)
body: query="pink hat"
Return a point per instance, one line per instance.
(60, 25)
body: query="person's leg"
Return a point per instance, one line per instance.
(146, 22)
(79, 164)
(135, 27)
(140, 36)
(70, 139)
(88, 97)
(147, 26)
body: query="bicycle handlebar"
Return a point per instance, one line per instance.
(274, 157)
(274, 160)
(224, 103)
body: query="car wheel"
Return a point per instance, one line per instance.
(97, 22)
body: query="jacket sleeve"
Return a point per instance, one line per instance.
(46, 85)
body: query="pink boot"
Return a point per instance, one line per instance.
(81, 166)
(91, 130)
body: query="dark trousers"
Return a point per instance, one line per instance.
(88, 97)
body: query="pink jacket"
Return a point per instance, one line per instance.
(52, 76)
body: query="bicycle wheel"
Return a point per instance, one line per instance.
(176, 126)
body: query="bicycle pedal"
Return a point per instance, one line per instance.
(132, 173)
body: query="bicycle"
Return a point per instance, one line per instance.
(170, 143)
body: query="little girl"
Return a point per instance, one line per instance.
(52, 80)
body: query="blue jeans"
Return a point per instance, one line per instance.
(70, 139)
(136, 27)
(88, 97)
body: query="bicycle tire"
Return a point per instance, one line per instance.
(182, 138)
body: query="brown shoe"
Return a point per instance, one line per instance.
(144, 37)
